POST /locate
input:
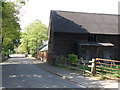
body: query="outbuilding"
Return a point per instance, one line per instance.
(42, 52)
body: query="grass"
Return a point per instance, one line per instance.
(115, 73)
(85, 67)
(102, 76)
(66, 67)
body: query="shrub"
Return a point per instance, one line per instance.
(61, 59)
(73, 58)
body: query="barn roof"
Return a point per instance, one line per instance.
(79, 22)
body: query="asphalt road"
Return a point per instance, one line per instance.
(20, 72)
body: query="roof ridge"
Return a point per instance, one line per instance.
(85, 12)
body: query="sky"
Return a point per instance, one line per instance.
(40, 9)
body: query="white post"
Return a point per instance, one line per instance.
(93, 68)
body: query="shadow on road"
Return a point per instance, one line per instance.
(26, 73)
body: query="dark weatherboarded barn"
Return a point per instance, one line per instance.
(89, 35)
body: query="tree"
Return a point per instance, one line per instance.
(32, 38)
(0, 31)
(10, 27)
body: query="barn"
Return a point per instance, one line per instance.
(89, 35)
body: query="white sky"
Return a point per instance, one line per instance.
(40, 9)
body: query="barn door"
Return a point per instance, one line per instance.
(90, 53)
(99, 52)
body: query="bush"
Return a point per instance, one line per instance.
(73, 59)
(61, 59)
(33, 53)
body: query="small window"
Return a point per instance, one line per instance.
(92, 38)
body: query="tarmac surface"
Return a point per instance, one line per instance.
(20, 72)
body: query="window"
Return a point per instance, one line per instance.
(92, 38)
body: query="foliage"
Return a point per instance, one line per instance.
(61, 59)
(10, 27)
(73, 58)
(32, 37)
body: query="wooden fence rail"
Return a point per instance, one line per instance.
(104, 65)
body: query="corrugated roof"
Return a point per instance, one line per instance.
(78, 22)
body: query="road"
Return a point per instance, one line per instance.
(20, 72)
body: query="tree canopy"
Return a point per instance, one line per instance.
(32, 37)
(10, 27)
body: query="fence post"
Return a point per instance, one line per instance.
(93, 68)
